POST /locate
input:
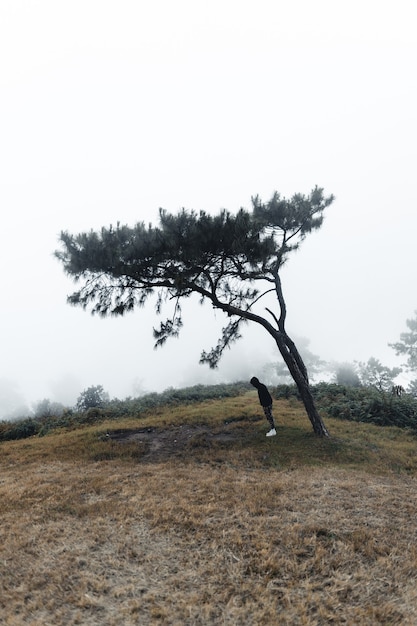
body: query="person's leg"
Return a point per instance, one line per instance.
(269, 417)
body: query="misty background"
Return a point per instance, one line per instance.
(111, 110)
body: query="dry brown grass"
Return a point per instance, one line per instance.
(241, 530)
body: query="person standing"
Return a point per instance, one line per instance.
(265, 399)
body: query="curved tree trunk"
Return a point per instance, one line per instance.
(299, 375)
(295, 364)
(310, 407)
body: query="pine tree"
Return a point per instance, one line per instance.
(229, 260)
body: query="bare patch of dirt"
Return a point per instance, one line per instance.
(159, 444)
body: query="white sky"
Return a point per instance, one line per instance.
(110, 110)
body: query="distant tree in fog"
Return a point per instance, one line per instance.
(46, 408)
(93, 397)
(230, 261)
(278, 372)
(12, 402)
(374, 374)
(347, 375)
(407, 345)
(412, 388)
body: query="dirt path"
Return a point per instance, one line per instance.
(159, 444)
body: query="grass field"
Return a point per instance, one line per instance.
(191, 516)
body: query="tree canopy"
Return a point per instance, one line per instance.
(92, 397)
(229, 260)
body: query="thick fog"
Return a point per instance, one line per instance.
(112, 110)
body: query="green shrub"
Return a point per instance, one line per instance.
(366, 404)
(19, 429)
(359, 404)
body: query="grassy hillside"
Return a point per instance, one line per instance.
(190, 515)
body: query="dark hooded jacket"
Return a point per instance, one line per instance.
(264, 396)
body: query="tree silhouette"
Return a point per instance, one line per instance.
(408, 344)
(92, 397)
(229, 260)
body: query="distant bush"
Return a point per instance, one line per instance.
(286, 391)
(19, 429)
